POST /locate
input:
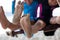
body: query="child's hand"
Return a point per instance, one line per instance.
(58, 19)
(53, 20)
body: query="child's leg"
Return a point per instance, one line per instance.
(25, 22)
(17, 16)
(5, 23)
(38, 26)
(26, 26)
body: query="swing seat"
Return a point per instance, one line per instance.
(51, 27)
(48, 28)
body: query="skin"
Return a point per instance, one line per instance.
(52, 2)
(18, 13)
(53, 20)
(58, 1)
(58, 19)
(5, 23)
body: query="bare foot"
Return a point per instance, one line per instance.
(5, 23)
(17, 13)
(2, 18)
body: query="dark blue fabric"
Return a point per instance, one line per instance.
(13, 6)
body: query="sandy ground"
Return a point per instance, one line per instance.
(38, 36)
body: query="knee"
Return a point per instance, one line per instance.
(41, 22)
